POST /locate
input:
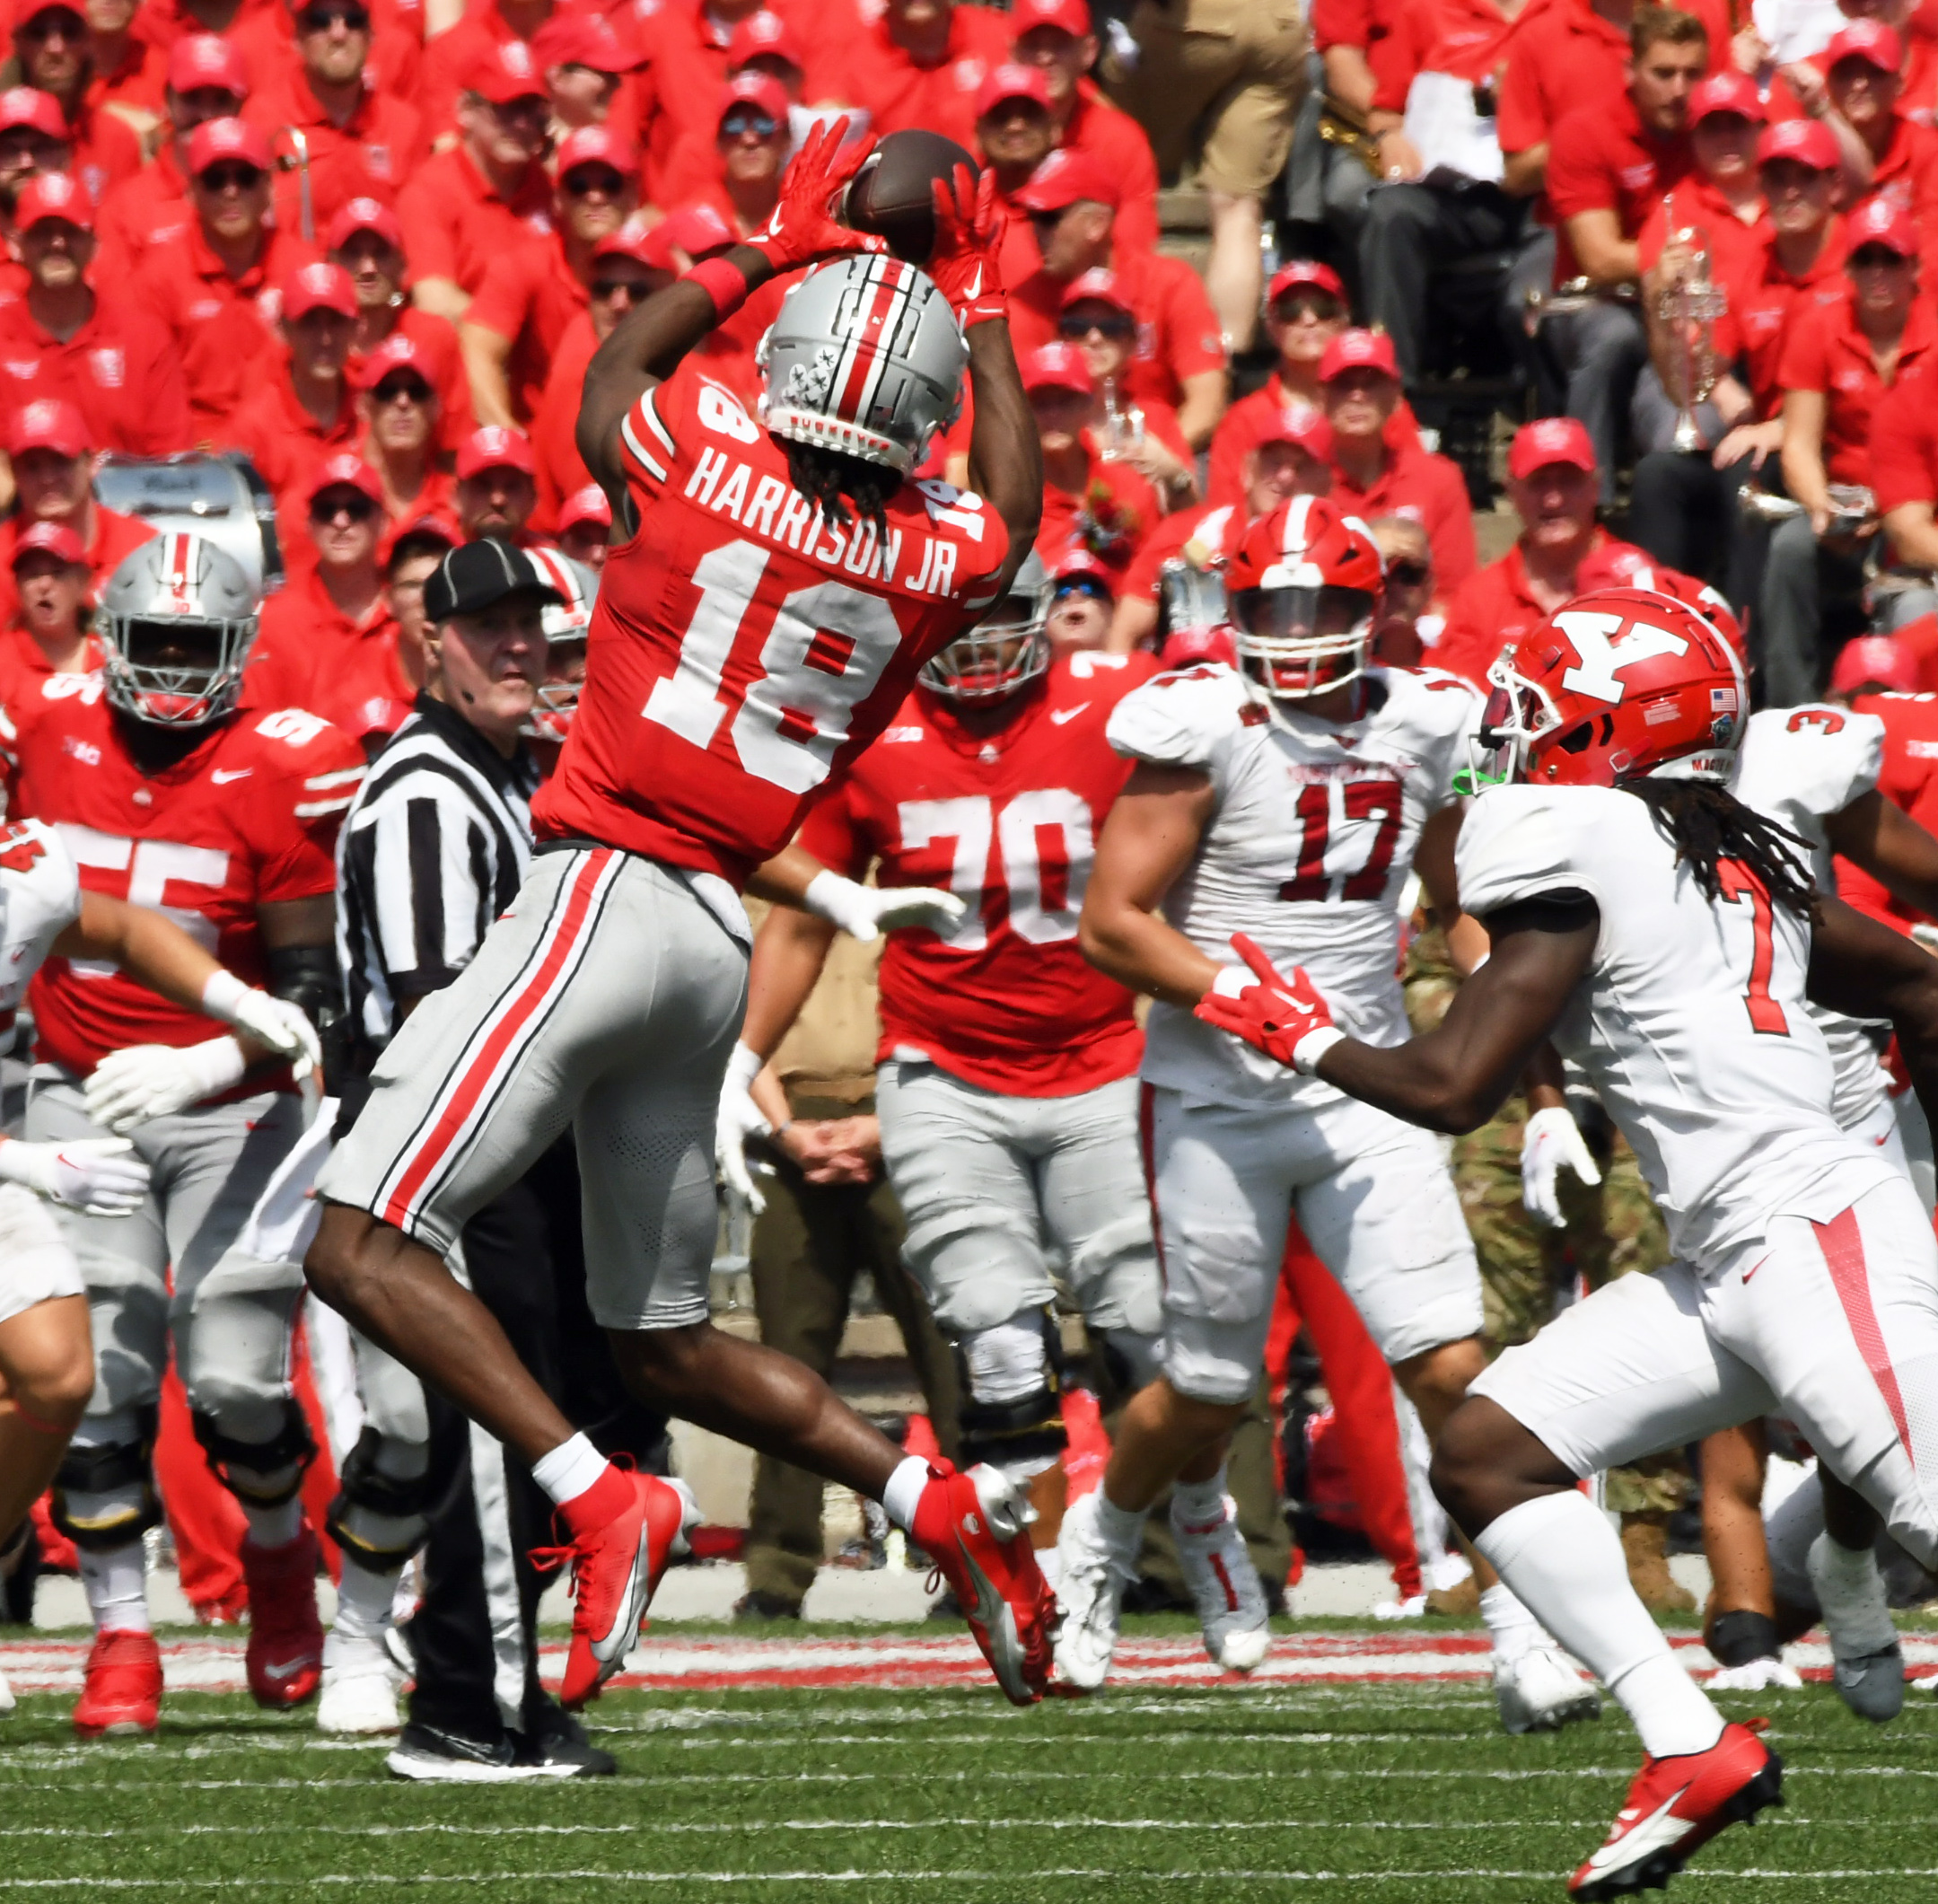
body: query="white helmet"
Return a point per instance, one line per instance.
(179, 618)
(1006, 650)
(565, 623)
(866, 358)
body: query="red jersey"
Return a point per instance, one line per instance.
(745, 649)
(249, 817)
(1826, 352)
(120, 369)
(1008, 822)
(1908, 779)
(23, 663)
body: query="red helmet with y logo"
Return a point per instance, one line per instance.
(1300, 593)
(1622, 684)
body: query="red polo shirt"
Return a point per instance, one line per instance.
(1825, 351)
(222, 326)
(456, 226)
(111, 540)
(1240, 427)
(437, 338)
(1120, 144)
(1122, 508)
(868, 69)
(1601, 159)
(139, 215)
(284, 441)
(309, 655)
(562, 470)
(1696, 205)
(266, 38)
(1494, 607)
(1763, 300)
(23, 663)
(369, 156)
(120, 369)
(1427, 489)
(529, 297)
(448, 60)
(1908, 777)
(1218, 531)
(1904, 440)
(1464, 37)
(106, 149)
(1908, 171)
(138, 80)
(679, 93)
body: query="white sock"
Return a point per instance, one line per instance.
(1855, 1608)
(275, 1526)
(1122, 1528)
(569, 1469)
(1513, 1628)
(116, 1580)
(904, 1491)
(1198, 1506)
(1561, 1557)
(362, 1600)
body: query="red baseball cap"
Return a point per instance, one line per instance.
(1877, 221)
(1303, 274)
(695, 229)
(1098, 287)
(588, 504)
(1358, 350)
(29, 106)
(506, 72)
(1874, 41)
(1066, 178)
(597, 145)
(26, 10)
(207, 59)
(432, 523)
(1069, 16)
(1727, 92)
(397, 352)
(761, 90)
(1078, 564)
(633, 240)
(215, 140)
(47, 425)
(1300, 424)
(764, 35)
(1011, 81)
(1874, 658)
(1808, 142)
(1550, 440)
(319, 287)
(51, 538)
(1057, 366)
(54, 195)
(349, 471)
(495, 447)
(579, 38)
(364, 215)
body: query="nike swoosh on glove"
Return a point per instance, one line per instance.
(1284, 1017)
(802, 227)
(969, 223)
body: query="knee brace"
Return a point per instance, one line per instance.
(104, 1493)
(1012, 1380)
(263, 1473)
(379, 1517)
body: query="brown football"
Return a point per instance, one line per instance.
(893, 195)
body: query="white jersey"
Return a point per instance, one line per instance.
(39, 898)
(1689, 1021)
(1312, 837)
(1799, 766)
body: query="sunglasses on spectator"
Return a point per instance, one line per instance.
(605, 289)
(1119, 326)
(1877, 258)
(737, 124)
(1082, 585)
(584, 180)
(328, 509)
(55, 20)
(1297, 304)
(1409, 575)
(402, 389)
(221, 177)
(320, 19)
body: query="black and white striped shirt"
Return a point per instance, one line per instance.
(434, 850)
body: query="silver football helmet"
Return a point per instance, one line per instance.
(865, 358)
(565, 623)
(1006, 650)
(178, 618)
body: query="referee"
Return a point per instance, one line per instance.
(434, 850)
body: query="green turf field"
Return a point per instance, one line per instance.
(1399, 1794)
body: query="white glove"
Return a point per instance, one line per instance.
(98, 1176)
(866, 912)
(130, 1086)
(739, 1119)
(283, 1027)
(1551, 1141)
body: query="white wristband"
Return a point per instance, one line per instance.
(223, 993)
(831, 896)
(744, 1066)
(1307, 1053)
(1233, 980)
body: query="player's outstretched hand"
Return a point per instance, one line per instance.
(1551, 1142)
(283, 1026)
(98, 1176)
(969, 222)
(802, 226)
(1284, 1017)
(866, 912)
(141, 1082)
(739, 1119)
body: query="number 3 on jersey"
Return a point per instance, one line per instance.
(1043, 878)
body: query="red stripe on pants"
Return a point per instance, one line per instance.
(1844, 1252)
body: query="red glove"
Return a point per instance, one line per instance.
(968, 234)
(1284, 1018)
(803, 228)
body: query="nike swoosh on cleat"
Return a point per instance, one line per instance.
(271, 1671)
(1647, 1835)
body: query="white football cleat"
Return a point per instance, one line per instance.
(6, 1697)
(1089, 1593)
(1757, 1675)
(1225, 1585)
(1541, 1692)
(359, 1692)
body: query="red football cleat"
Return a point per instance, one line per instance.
(1675, 1806)
(995, 1577)
(121, 1698)
(284, 1657)
(616, 1569)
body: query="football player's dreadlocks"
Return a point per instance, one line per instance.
(835, 481)
(1706, 823)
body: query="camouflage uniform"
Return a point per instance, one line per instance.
(1613, 1227)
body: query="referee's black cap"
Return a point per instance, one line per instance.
(477, 576)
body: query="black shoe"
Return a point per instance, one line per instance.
(432, 1756)
(760, 1605)
(555, 1745)
(946, 1607)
